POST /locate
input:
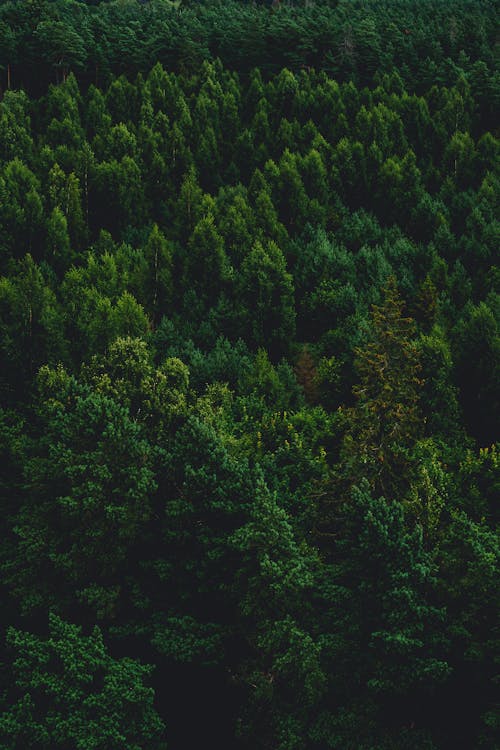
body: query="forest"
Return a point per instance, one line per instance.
(249, 375)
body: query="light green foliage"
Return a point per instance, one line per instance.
(97, 297)
(430, 490)
(58, 239)
(188, 211)
(153, 395)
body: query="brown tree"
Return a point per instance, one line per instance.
(385, 422)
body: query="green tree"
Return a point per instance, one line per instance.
(469, 565)
(286, 678)
(60, 45)
(477, 351)
(58, 241)
(155, 396)
(400, 186)
(459, 158)
(158, 284)
(439, 395)
(31, 326)
(207, 266)
(91, 475)
(265, 289)
(68, 691)
(385, 421)
(21, 209)
(188, 209)
(382, 641)
(293, 203)
(15, 126)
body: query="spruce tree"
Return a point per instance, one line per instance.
(385, 421)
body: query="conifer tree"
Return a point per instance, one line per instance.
(68, 691)
(385, 422)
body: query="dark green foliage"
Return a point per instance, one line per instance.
(426, 43)
(265, 289)
(384, 423)
(478, 370)
(31, 325)
(381, 644)
(249, 308)
(86, 497)
(67, 691)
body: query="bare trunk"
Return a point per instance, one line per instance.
(30, 334)
(86, 183)
(155, 296)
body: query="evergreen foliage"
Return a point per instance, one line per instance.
(249, 366)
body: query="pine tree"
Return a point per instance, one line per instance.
(385, 422)
(68, 691)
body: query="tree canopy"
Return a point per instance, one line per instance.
(249, 359)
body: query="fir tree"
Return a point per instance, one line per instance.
(385, 421)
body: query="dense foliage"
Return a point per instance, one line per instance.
(250, 355)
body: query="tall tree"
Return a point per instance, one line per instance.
(385, 421)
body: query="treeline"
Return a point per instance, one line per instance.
(249, 334)
(427, 42)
